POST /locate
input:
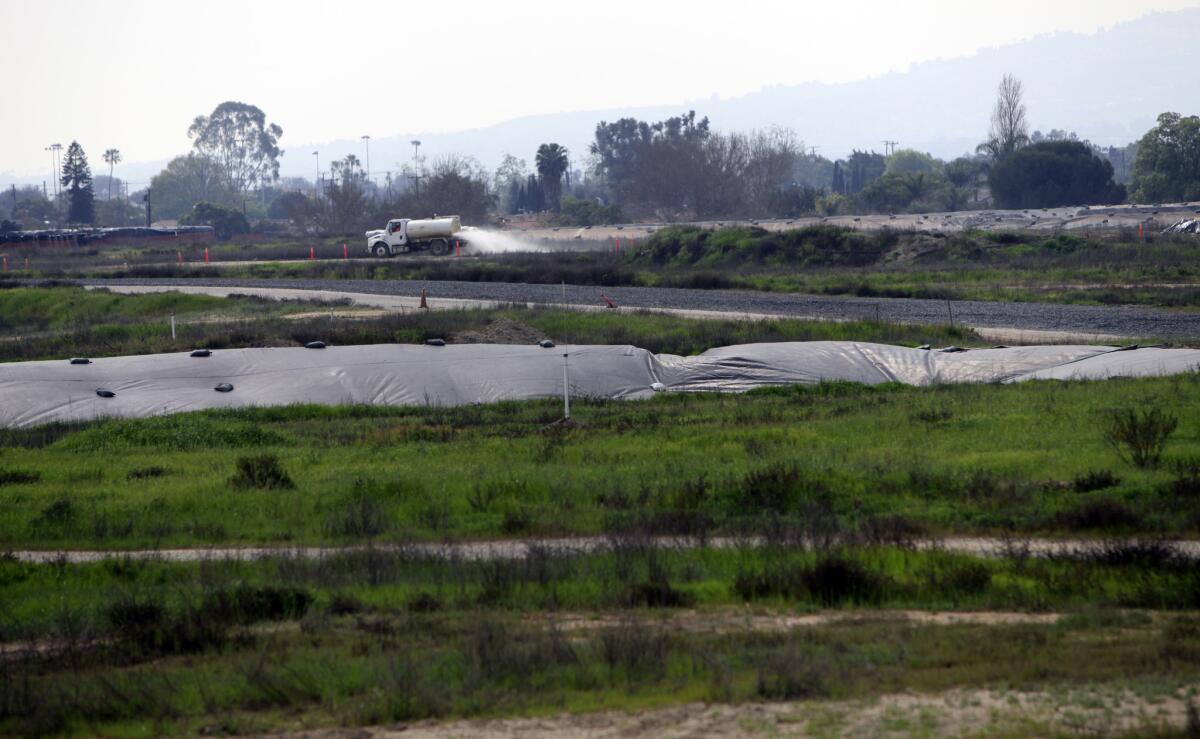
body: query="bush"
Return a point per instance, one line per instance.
(1100, 514)
(361, 515)
(1186, 484)
(246, 604)
(790, 675)
(1096, 480)
(1139, 435)
(836, 579)
(18, 477)
(262, 472)
(146, 473)
(833, 580)
(226, 222)
(776, 489)
(637, 649)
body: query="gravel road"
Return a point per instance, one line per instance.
(1116, 320)
(517, 548)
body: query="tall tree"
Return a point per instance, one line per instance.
(1167, 167)
(1053, 174)
(112, 157)
(238, 138)
(188, 180)
(506, 183)
(1009, 130)
(77, 182)
(552, 162)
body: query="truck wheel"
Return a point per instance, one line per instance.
(438, 247)
(381, 251)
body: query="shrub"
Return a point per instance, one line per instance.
(1187, 480)
(18, 477)
(246, 604)
(359, 516)
(57, 512)
(147, 627)
(776, 489)
(1094, 480)
(146, 473)
(658, 593)
(261, 472)
(343, 604)
(1100, 514)
(836, 579)
(423, 603)
(637, 649)
(1139, 435)
(790, 675)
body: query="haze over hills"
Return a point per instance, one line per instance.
(1107, 87)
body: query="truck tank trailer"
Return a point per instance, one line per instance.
(435, 235)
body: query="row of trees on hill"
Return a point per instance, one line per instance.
(677, 168)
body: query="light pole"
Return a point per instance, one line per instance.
(416, 166)
(317, 179)
(367, 151)
(54, 149)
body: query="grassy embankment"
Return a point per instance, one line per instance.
(58, 322)
(1030, 457)
(1009, 266)
(141, 648)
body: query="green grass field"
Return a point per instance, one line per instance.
(76, 322)
(828, 597)
(965, 459)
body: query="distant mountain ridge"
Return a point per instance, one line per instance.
(1108, 87)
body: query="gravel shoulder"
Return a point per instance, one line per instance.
(1117, 321)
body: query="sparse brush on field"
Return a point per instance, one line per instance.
(690, 465)
(396, 634)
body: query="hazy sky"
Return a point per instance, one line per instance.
(132, 74)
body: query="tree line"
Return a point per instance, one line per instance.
(674, 169)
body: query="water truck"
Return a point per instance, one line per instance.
(435, 235)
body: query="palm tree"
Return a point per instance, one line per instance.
(112, 157)
(552, 162)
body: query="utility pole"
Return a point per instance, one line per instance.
(149, 211)
(889, 147)
(812, 151)
(316, 182)
(367, 146)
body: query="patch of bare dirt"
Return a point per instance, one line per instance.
(501, 331)
(1091, 710)
(741, 620)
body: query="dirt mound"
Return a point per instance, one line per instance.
(501, 331)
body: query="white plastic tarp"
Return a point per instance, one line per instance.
(33, 393)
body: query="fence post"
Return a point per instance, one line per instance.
(566, 391)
